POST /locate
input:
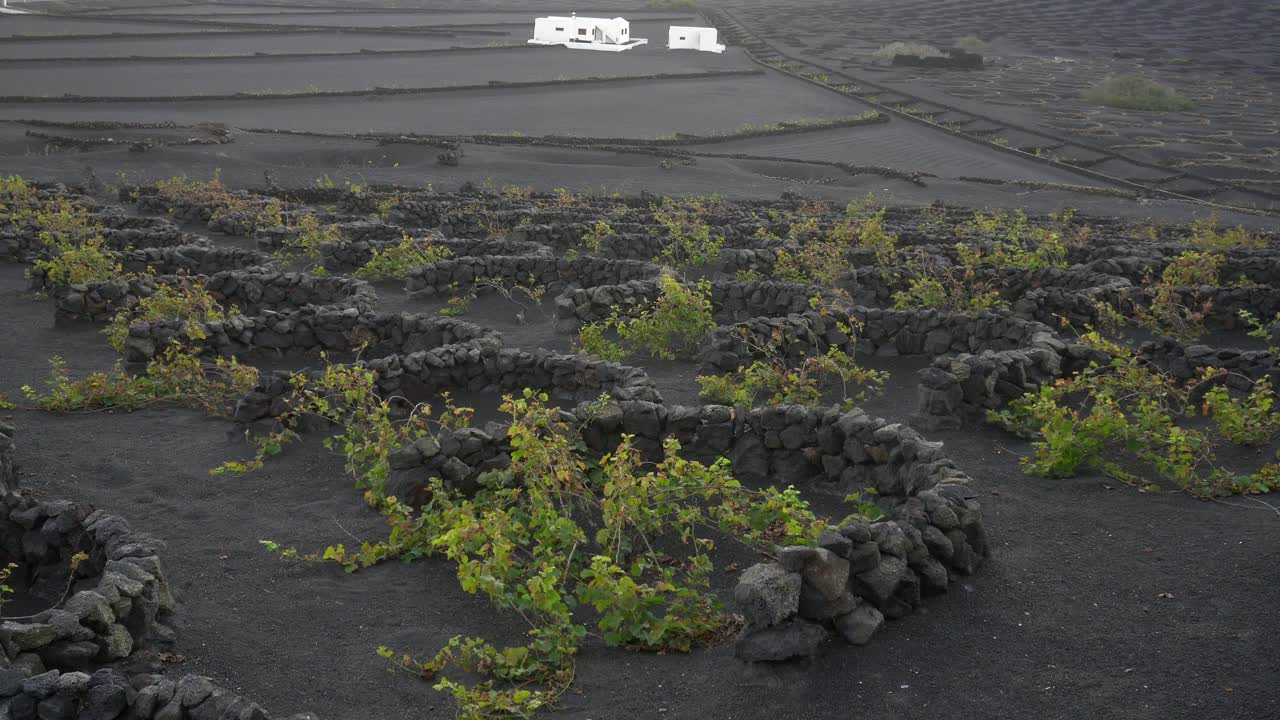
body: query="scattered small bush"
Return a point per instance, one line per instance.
(310, 234)
(397, 261)
(557, 533)
(1115, 416)
(1205, 235)
(185, 299)
(673, 326)
(932, 285)
(888, 52)
(689, 242)
(1135, 92)
(175, 376)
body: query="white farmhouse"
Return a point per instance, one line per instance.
(585, 33)
(694, 38)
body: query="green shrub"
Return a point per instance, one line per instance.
(673, 326)
(557, 531)
(800, 384)
(77, 250)
(1113, 416)
(397, 261)
(184, 299)
(934, 286)
(888, 52)
(1135, 92)
(309, 236)
(689, 242)
(176, 376)
(1205, 235)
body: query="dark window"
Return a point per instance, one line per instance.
(582, 31)
(681, 37)
(559, 29)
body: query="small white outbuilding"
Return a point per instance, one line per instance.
(694, 38)
(585, 33)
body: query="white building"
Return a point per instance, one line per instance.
(585, 33)
(694, 38)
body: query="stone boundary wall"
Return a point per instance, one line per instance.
(1136, 262)
(961, 386)
(859, 575)
(471, 365)
(206, 213)
(307, 330)
(1080, 307)
(195, 259)
(877, 332)
(109, 694)
(875, 286)
(1185, 362)
(363, 230)
(349, 256)
(485, 365)
(21, 243)
(251, 291)
(119, 601)
(443, 276)
(730, 300)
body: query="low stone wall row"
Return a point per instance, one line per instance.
(108, 694)
(964, 386)
(875, 286)
(448, 275)
(119, 599)
(250, 291)
(307, 331)
(196, 259)
(731, 301)
(860, 574)
(1137, 262)
(822, 448)
(1219, 305)
(475, 365)
(22, 243)
(213, 215)
(1186, 362)
(876, 332)
(350, 255)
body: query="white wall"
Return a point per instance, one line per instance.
(693, 38)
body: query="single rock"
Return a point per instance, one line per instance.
(193, 689)
(827, 573)
(836, 543)
(858, 626)
(41, 686)
(863, 557)
(933, 576)
(891, 587)
(767, 594)
(795, 557)
(11, 681)
(793, 639)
